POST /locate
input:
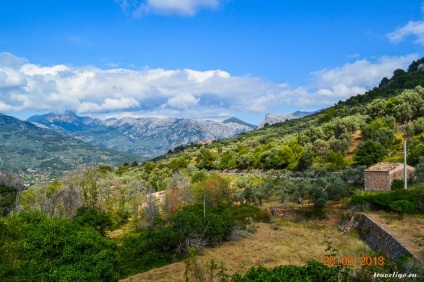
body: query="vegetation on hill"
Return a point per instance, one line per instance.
(335, 138)
(40, 154)
(201, 195)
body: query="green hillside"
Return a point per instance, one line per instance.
(36, 153)
(336, 137)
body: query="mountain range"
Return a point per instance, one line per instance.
(47, 146)
(145, 137)
(34, 152)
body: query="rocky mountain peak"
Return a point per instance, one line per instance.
(272, 118)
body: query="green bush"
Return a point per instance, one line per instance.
(312, 271)
(161, 244)
(92, 217)
(399, 184)
(244, 213)
(7, 199)
(37, 248)
(383, 200)
(402, 207)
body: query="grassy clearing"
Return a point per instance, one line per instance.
(292, 243)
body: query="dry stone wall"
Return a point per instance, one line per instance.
(380, 240)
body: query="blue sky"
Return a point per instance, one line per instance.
(203, 59)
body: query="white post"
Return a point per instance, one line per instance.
(405, 175)
(204, 206)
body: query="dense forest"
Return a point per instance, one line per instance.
(198, 196)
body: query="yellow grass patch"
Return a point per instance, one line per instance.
(294, 243)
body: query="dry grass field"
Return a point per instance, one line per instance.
(281, 243)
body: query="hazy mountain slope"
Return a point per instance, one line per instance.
(273, 119)
(239, 121)
(146, 137)
(29, 150)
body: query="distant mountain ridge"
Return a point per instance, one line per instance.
(32, 151)
(272, 119)
(239, 121)
(146, 137)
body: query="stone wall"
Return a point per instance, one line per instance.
(380, 240)
(382, 180)
(398, 174)
(377, 181)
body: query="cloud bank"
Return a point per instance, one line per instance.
(178, 93)
(166, 7)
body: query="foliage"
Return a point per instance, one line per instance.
(312, 271)
(305, 161)
(243, 213)
(336, 160)
(215, 190)
(7, 199)
(415, 153)
(370, 153)
(402, 207)
(419, 170)
(399, 184)
(36, 248)
(264, 215)
(354, 174)
(415, 196)
(92, 217)
(419, 125)
(206, 159)
(172, 238)
(10, 184)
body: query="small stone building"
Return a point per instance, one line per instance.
(380, 176)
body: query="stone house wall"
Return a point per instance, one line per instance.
(377, 181)
(382, 180)
(398, 174)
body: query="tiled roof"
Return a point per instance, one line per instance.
(384, 166)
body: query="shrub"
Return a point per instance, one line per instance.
(243, 213)
(55, 249)
(264, 215)
(399, 184)
(415, 196)
(370, 153)
(312, 271)
(402, 207)
(92, 217)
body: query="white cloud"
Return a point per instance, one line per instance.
(178, 93)
(183, 102)
(167, 7)
(9, 60)
(92, 90)
(410, 29)
(330, 86)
